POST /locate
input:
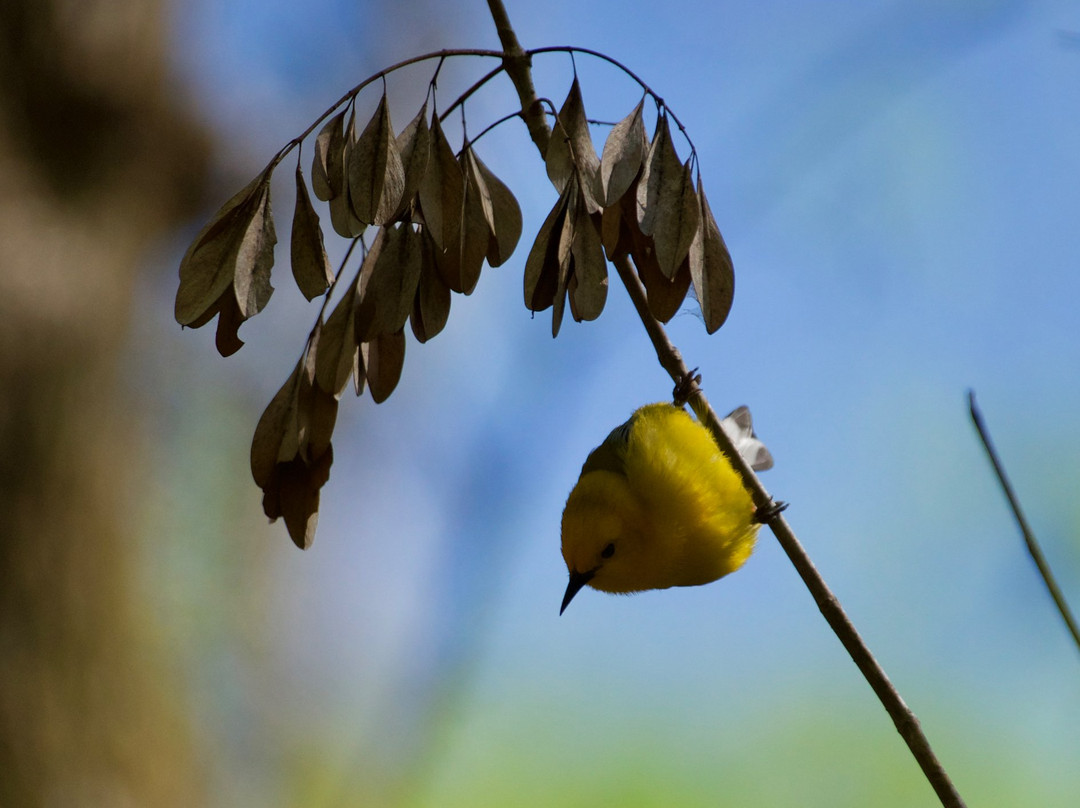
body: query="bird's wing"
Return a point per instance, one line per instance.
(740, 428)
(611, 454)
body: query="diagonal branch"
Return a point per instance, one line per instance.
(518, 68)
(1029, 537)
(905, 720)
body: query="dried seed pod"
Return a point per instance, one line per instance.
(226, 270)
(623, 157)
(310, 266)
(711, 269)
(376, 175)
(474, 230)
(431, 307)
(342, 218)
(589, 277)
(542, 265)
(384, 358)
(291, 452)
(667, 204)
(665, 294)
(338, 358)
(328, 164)
(414, 145)
(571, 152)
(442, 192)
(501, 212)
(388, 280)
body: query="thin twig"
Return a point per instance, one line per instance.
(518, 69)
(572, 49)
(477, 85)
(382, 74)
(1029, 537)
(906, 723)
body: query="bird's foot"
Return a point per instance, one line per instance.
(770, 511)
(687, 386)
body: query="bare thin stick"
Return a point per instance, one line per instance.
(382, 74)
(477, 85)
(906, 723)
(1029, 537)
(518, 69)
(572, 49)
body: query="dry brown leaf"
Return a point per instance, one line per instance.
(328, 164)
(277, 419)
(305, 383)
(255, 258)
(571, 152)
(338, 357)
(470, 169)
(226, 338)
(342, 218)
(504, 216)
(291, 452)
(667, 208)
(662, 169)
(414, 145)
(665, 295)
(388, 281)
(624, 154)
(384, 358)
(542, 265)
(676, 222)
(376, 175)
(476, 213)
(615, 231)
(293, 492)
(322, 415)
(209, 265)
(281, 434)
(711, 269)
(226, 270)
(310, 266)
(431, 307)
(442, 191)
(564, 254)
(589, 281)
(316, 407)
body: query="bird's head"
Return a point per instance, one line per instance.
(604, 538)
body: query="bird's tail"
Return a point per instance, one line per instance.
(740, 428)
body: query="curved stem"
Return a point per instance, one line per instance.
(441, 55)
(517, 67)
(461, 99)
(1029, 536)
(906, 723)
(491, 126)
(572, 49)
(329, 293)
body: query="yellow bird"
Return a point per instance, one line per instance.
(658, 505)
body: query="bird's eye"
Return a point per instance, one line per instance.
(608, 551)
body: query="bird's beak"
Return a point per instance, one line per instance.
(577, 580)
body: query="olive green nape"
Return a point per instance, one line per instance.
(611, 454)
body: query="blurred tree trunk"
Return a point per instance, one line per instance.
(96, 161)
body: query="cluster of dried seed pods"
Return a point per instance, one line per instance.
(439, 217)
(638, 199)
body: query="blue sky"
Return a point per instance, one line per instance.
(899, 185)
